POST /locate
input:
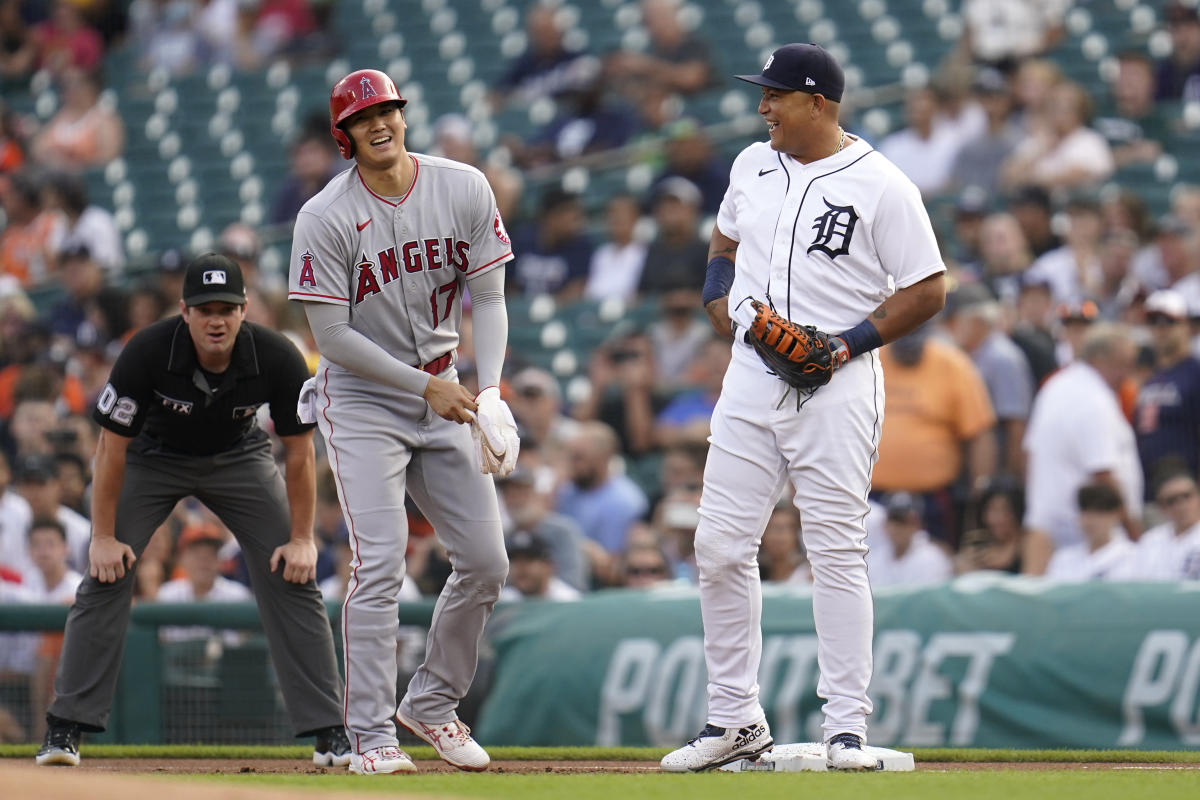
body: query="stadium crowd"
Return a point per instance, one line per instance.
(1046, 423)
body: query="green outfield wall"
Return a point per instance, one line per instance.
(986, 661)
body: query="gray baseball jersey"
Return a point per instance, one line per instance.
(401, 264)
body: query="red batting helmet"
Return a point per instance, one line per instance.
(358, 90)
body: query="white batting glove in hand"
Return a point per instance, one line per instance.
(495, 433)
(306, 404)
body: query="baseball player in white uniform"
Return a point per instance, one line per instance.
(381, 259)
(829, 233)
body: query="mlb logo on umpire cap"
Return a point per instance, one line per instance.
(213, 277)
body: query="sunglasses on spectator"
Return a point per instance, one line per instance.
(1172, 499)
(1161, 320)
(658, 570)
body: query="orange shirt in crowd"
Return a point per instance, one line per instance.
(932, 409)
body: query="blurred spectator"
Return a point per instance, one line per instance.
(1179, 254)
(146, 305)
(51, 580)
(1106, 552)
(199, 550)
(73, 478)
(1078, 435)
(312, 161)
(1132, 123)
(18, 52)
(688, 414)
(335, 585)
(676, 518)
(923, 151)
(12, 141)
(531, 571)
(603, 503)
(91, 311)
(781, 556)
(172, 264)
(1001, 32)
(547, 67)
(1171, 551)
(969, 213)
(1000, 541)
(616, 266)
(678, 336)
(1185, 204)
(164, 36)
(16, 315)
(507, 184)
(1119, 286)
(15, 519)
(554, 253)
(623, 373)
(537, 405)
(1178, 74)
(643, 566)
(214, 24)
(452, 136)
(66, 41)
(676, 61)
(1073, 270)
(85, 223)
(973, 318)
(587, 122)
(85, 132)
(1004, 255)
(1167, 420)
(37, 482)
(528, 512)
(1033, 86)
(682, 468)
(1065, 155)
(1075, 321)
(937, 420)
(690, 154)
(978, 162)
(269, 28)
(1034, 212)
(329, 525)
(242, 243)
(914, 559)
(29, 232)
(676, 257)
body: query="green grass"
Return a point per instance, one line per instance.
(990, 785)
(649, 754)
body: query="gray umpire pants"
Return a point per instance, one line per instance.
(244, 488)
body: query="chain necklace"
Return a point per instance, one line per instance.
(841, 141)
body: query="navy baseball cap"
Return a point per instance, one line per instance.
(213, 278)
(802, 68)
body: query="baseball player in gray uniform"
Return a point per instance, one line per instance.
(828, 233)
(381, 259)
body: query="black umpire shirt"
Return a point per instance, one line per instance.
(158, 392)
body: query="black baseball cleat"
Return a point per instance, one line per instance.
(61, 746)
(332, 748)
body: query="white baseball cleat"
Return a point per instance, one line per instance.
(715, 746)
(381, 761)
(845, 752)
(451, 740)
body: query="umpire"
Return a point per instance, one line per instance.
(178, 419)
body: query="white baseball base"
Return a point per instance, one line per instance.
(810, 757)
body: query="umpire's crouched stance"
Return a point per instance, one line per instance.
(178, 418)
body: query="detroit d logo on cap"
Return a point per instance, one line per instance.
(215, 276)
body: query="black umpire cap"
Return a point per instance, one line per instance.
(802, 68)
(213, 277)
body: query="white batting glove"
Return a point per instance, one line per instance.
(495, 433)
(306, 404)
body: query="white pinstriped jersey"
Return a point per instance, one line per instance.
(401, 265)
(827, 241)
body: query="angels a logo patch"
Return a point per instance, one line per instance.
(307, 277)
(501, 232)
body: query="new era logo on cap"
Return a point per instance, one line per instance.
(809, 82)
(215, 276)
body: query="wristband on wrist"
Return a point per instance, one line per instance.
(862, 338)
(718, 278)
